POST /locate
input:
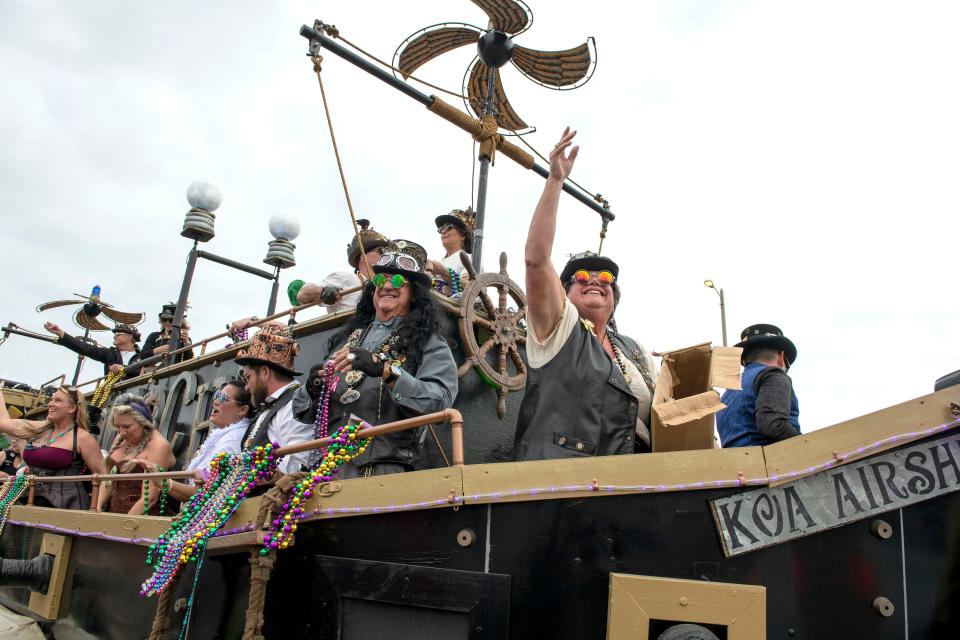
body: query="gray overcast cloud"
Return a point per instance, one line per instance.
(802, 155)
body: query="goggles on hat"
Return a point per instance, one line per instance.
(396, 281)
(582, 276)
(400, 260)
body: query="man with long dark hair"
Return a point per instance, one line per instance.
(390, 362)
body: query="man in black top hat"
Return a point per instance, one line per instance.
(157, 342)
(123, 352)
(765, 409)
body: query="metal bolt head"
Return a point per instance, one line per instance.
(881, 529)
(466, 537)
(883, 607)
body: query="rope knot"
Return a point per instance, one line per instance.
(331, 30)
(486, 134)
(316, 63)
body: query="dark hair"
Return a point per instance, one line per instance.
(616, 301)
(421, 322)
(243, 396)
(760, 353)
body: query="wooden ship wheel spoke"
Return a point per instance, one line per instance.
(492, 335)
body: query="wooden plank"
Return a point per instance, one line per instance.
(642, 473)
(48, 604)
(429, 489)
(861, 437)
(635, 600)
(118, 527)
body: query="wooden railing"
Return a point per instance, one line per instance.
(451, 416)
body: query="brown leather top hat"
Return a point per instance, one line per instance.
(129, 329)
(406, 258)
(463, 219)
(371, 240)
(271, 346)
(766, 335)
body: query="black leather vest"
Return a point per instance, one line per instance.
(579, 404)
(262, 437)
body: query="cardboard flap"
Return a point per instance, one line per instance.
(688, 409)
(725, 367)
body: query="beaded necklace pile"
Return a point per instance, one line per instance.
(321, 422)
(345, 447)
(10, 492)
(102, 392)
(231, 479)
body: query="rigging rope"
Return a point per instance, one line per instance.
(316, 59)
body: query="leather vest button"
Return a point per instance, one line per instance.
(562, 441)
(579, 446)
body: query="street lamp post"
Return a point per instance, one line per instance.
(723, 313)
(204, 199)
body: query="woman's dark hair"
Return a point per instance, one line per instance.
(243, 396)
(422, 322)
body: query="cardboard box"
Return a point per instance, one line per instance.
(684, 401)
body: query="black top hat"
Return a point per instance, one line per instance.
(128, 329)
(168, 311)
(463, 219)
(591, 262)
(371, 240)
(394, 254)
(766, 335)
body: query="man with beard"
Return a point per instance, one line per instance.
(391, 363)
(268, 375)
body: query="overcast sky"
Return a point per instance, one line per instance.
(802, 155)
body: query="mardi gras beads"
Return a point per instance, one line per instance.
(163, 495)
(231, 479)
(10, 492)
(321, 422)
(236, 336)
(102, 392)
(456, 286)
(345, 447)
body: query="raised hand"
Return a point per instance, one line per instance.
(52, 327)
(561, 163)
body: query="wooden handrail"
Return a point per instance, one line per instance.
(138, 366)
(368, 431)
(452, 416)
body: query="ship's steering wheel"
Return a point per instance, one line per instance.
(491, 336)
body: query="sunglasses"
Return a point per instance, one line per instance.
(445, 228)
(221, 397)
(401, 260)
(582, 276)
(396, 281)
(71, 391)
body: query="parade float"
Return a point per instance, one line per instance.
(851, 531)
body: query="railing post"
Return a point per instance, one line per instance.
(30, 492)
(95, 494)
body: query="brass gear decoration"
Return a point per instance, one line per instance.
(502, 328)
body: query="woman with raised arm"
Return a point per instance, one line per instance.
(589, 387)
(61, 445)
(137, 439)
(232, 408)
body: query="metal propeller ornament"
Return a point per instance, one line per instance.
(561, 70)
(92, 306)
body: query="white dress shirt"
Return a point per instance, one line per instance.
(219, 439)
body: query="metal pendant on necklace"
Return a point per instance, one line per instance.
(350, 395)
(354, 377)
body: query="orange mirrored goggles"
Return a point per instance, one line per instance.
(583, 276)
